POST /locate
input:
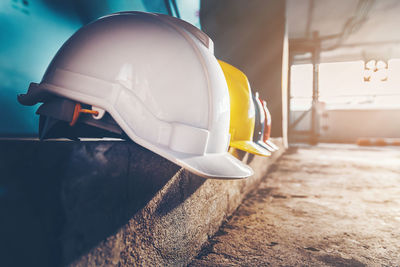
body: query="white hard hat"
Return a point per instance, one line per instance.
(159, 80)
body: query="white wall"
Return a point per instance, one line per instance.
(347, 125)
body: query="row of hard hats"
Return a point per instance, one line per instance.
(154, 79)
(250, 122)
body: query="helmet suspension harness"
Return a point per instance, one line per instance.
(77, 112)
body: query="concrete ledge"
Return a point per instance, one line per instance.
(108, 203)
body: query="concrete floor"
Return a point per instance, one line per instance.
(330, 205)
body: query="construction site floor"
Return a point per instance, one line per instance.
(327, 205)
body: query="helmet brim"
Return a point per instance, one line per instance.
(266, 146)
(216, 166)
(210, 165)
(271, 144)
(251, 147)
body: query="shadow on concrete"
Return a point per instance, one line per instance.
(241, 154)
(60, 199)
(187, 185)
(250, 158)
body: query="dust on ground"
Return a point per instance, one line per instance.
(329, 205)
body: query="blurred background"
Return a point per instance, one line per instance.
(344, 70)
(328, 69)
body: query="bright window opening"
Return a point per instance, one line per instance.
(348, 85)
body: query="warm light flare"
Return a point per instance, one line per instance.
(354, 84)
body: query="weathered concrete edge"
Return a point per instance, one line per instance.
(158, 236)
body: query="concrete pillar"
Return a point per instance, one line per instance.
(251, 36)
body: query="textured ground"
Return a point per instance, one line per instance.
(321, 206)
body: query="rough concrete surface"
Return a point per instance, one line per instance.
(108, 203)
(331, 205)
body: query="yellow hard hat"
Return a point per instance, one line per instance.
(242, 111)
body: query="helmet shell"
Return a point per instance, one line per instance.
(242, 116)
(159, 80)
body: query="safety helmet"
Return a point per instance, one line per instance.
(258, 136)
(267, 126)
(242, 111)
(157, 78)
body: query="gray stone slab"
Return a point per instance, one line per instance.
(105, 203)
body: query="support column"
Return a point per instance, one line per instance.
(250, 35)
(314, 136)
